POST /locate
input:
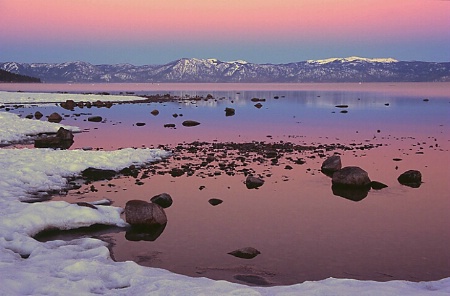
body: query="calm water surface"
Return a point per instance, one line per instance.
(303, 231)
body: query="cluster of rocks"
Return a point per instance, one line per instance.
(353, 182)
(71, 104)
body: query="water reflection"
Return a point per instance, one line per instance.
(149, 233)
(351, 193)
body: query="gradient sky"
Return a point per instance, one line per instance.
(261, 31)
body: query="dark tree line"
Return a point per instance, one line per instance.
(6, 76)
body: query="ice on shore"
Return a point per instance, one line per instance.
(40, 98)
(83, 266)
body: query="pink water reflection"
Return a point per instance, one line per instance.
(303, 230)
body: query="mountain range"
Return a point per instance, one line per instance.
(351, 69)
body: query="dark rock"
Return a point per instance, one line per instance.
(258, 105)
(331, 165)
(68, 104)
(142, 214)
(229, 111)
(170, 125)
(341, 106)
(351, 176)
(154, 112)
(252, 279)
(93, 174)
(95, 118)
(258, 100)
(245, 253)
(29, 116)
(176, 172)
(215, 201)
(64, 134)
(88, 205)
(190, 123)
(140, 123)
(271, 154)
(130, 171)
(253, 182)
(163, 199)
(54, 117)
(62, 140)
(38, 115)
(377, 185)
(411, 178)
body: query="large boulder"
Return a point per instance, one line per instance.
(331, 165)
(351, 176)
(411, 178)
(142, 214)
(163, 199)
(253, 182)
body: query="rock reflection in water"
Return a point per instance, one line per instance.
(148, 233)
(351, 193)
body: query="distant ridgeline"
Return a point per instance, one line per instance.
(351, 69)
(6, 76)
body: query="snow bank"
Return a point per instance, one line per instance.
(84, 266)
(16, 129)
(35, 98)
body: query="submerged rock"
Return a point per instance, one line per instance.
(163, 199)
(411, 178)
(154, 112)
(251, 279)
(245, 253)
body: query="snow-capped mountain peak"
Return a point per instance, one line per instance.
(353, 59)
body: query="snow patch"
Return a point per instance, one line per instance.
(34, 98)
(16, 129)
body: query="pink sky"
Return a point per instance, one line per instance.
(359, 26)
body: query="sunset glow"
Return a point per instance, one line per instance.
(143, 32)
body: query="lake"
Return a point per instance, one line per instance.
(303, 229)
